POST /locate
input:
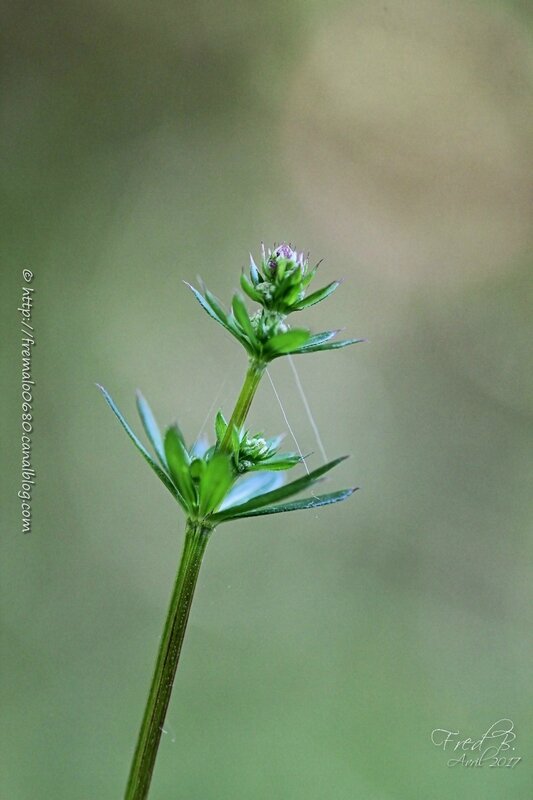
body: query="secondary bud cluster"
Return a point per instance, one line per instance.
(252, 453)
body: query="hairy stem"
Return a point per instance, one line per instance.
(196, 538)
(244, 401)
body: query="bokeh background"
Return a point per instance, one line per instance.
(146, 143)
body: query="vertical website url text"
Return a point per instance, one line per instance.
(27, 384)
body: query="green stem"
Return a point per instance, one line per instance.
(196, 538)
(244, 401)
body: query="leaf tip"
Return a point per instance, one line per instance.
(104, 391)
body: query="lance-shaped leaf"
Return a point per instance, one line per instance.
(215, 304)
(306, 280)
(254, 272)
(220, 426)
(292, 296)
(235, 442)
(250, 290)
(151, 427)
(178, 461)
(217, 313)
(320, 338)
(217, 307)
(205, 305)
(316, 297)
(317, 348)
(287, 342)
(231, 324)
(280, 461)
(285, 491)
(297, 505)
(215, 482)
(241, 315)
(142, 449)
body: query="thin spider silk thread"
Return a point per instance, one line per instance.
(305, 402)
(287, 423)
(308, 411)
(211, 407)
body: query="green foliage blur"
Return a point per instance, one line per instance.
(145, 144)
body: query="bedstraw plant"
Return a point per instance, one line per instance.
(241, 474)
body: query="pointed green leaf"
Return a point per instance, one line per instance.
(215, 304)
(254, 272)
(220, 426)
(217, 307)
(328, 346)
(320, 338)
(205, 305)
(316, 297)
(178, 461)
(248, 287)
(215, 482)
(241, 315)
(162, 475)
(287, 490)
(297, 275)
(151, 427)
(229, 321)
(218, 314)
(235, 442)
(278, 462)
(286, 342)
(295, 505)
(218, 317)
(306, 280)
(292, 295)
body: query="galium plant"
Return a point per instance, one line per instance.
(241, 474)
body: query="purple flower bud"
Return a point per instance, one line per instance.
(284, 251)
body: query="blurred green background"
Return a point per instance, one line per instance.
(147, 143)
